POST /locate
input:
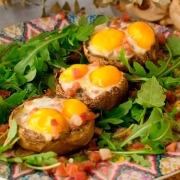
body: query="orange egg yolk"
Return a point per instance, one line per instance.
(142, 34)
(73, 107)
(48, 121)
(74, 72)
(107, 40)
(105, 76)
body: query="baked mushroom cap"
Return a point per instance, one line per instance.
(106, 100)
(138, 39)
(64, 143)
(67, 140)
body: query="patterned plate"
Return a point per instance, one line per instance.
(162, 165)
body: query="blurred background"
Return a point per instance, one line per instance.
(164, 12)
(15, 11)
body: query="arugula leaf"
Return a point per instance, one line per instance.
(33, 61)
(105, 141)
(11, 133)
(151, 94)
(113, 116)
(84, 32)
(174, 44)
(138, 159)
(100, 20)
(125, 60)
(11, 137)
(15, 99)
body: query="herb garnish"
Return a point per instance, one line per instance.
(27, 69)
(145, 116)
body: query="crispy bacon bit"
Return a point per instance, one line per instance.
(76, 73)
(161, 38)
(125, 17)
(54, 122)
(71, 92)
(3, 128)
(128, 48)
(115, 23)
(4, 94)
(49, 92)
(170, 96)
(88, 116)
(169, 108)
(95, 64)
(177, 117)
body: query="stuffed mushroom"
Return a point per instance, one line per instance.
(138, 39)
(101, 87)
(53, 124)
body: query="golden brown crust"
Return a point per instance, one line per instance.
(106, 100)
(102, 60)
(65, 143)
(149, 55)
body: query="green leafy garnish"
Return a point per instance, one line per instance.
(26, 69)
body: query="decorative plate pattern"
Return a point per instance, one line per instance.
(162, 165)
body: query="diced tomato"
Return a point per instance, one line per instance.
(80, 175)
(94, 156)
(61, 170)
(123, 136)
(72, 169)
(87, 165)
(137, 145)
(125, 17)
(169, 108)
(171, 147)
(177, 116)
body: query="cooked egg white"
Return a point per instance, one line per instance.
(134, 38)
(50, 116)
(95, 81)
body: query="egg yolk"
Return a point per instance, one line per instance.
(74, 72)
(107, 40)
(73, 107)
(48, 121)
(105, 76)
(142, 34)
